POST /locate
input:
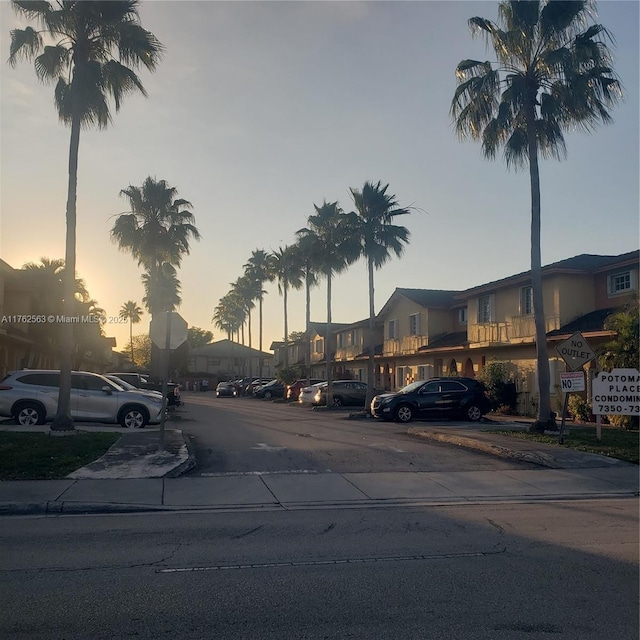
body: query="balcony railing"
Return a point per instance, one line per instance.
(349, 353)
(515, 328)
(404, 346)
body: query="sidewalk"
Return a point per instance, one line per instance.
(135, 476)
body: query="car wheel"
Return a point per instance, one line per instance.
(267, 394)
(133, 418)
(473, 412)
(28, 414)
(404, 413)
(338, 402)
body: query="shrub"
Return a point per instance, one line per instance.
(579, 408)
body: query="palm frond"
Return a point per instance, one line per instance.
(119, 81)
(51, 63)
(25, 45)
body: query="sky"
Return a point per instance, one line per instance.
(259, 110)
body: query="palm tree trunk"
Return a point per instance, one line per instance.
(63, 420)
(370, 344)
(260, 338)
(327, 350)
(544, 419)
(131, 338)
(286, 329)
(307, 327)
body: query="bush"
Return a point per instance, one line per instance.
(502, 395)
(579, 408)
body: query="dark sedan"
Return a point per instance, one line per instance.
(227, 389)
(435, 398)
(273, 389)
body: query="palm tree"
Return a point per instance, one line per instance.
(289, 271)
(162, 290)
(259, 269)
(307, 248)
(133, 313)
(246, 292)
(330, 237)
(80, 62)
(157, 232)
(553, 73)
(379, 238)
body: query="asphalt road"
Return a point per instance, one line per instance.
(242, 435)
(566, 571)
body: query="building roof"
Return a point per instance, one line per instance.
(428, 298)
(585, 263)
(589, 323)
(448, 341)
(224, 348)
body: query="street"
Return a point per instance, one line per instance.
(240, 435)
(498, 568)
(565, 570)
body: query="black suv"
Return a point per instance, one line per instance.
(435, 398)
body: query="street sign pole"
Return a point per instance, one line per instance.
(165, 376)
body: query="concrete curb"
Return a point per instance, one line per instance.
(186, 466)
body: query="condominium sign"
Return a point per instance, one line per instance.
(617, 392)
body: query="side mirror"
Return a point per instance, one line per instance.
(107, 390)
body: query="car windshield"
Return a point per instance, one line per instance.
(412, 387)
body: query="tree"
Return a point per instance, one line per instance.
(259, 269)
(308, 249)
(157, 232)
(197, 337)
(246, 291)
(141, 346)
(288, 269)
(379, 237)
(330, 237)
(81, 63)
(623, 352)
(553, 73)
(133, 313)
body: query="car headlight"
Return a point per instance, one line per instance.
(156, 399)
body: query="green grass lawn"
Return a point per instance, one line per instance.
(615, 443)
(39, 456)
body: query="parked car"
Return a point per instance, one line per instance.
(142, 382)
(129, 387)
(435, 398)
(307, 394)
(345, 392)
(255, 384)
(273, 389)
(293, 390)
(227, 389)
(30, 397)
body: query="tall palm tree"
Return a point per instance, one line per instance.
(288, 269)
(330, 236)
(308, 250)
(553, 73)
(259, 269)
(157, 233)
(162, 290)
(133, 313)
(246, 292)
(376, 211)
(86, 36)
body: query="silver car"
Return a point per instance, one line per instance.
(30, 397)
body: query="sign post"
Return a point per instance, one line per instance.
(576, 352)
(167, 331)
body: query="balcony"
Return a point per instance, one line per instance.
(404, 346)
(348, 353)
(514, 330)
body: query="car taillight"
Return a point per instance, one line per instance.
(5, 387)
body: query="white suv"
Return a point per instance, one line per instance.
(30, 397)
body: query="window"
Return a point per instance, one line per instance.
(462, 315)
(414, 324)
(526, 301)
(318, 346)
(451, 385)
(42, 379)
(340, 340)
(620, 282)
(484, 309)
(393, 330)
(351, 338)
